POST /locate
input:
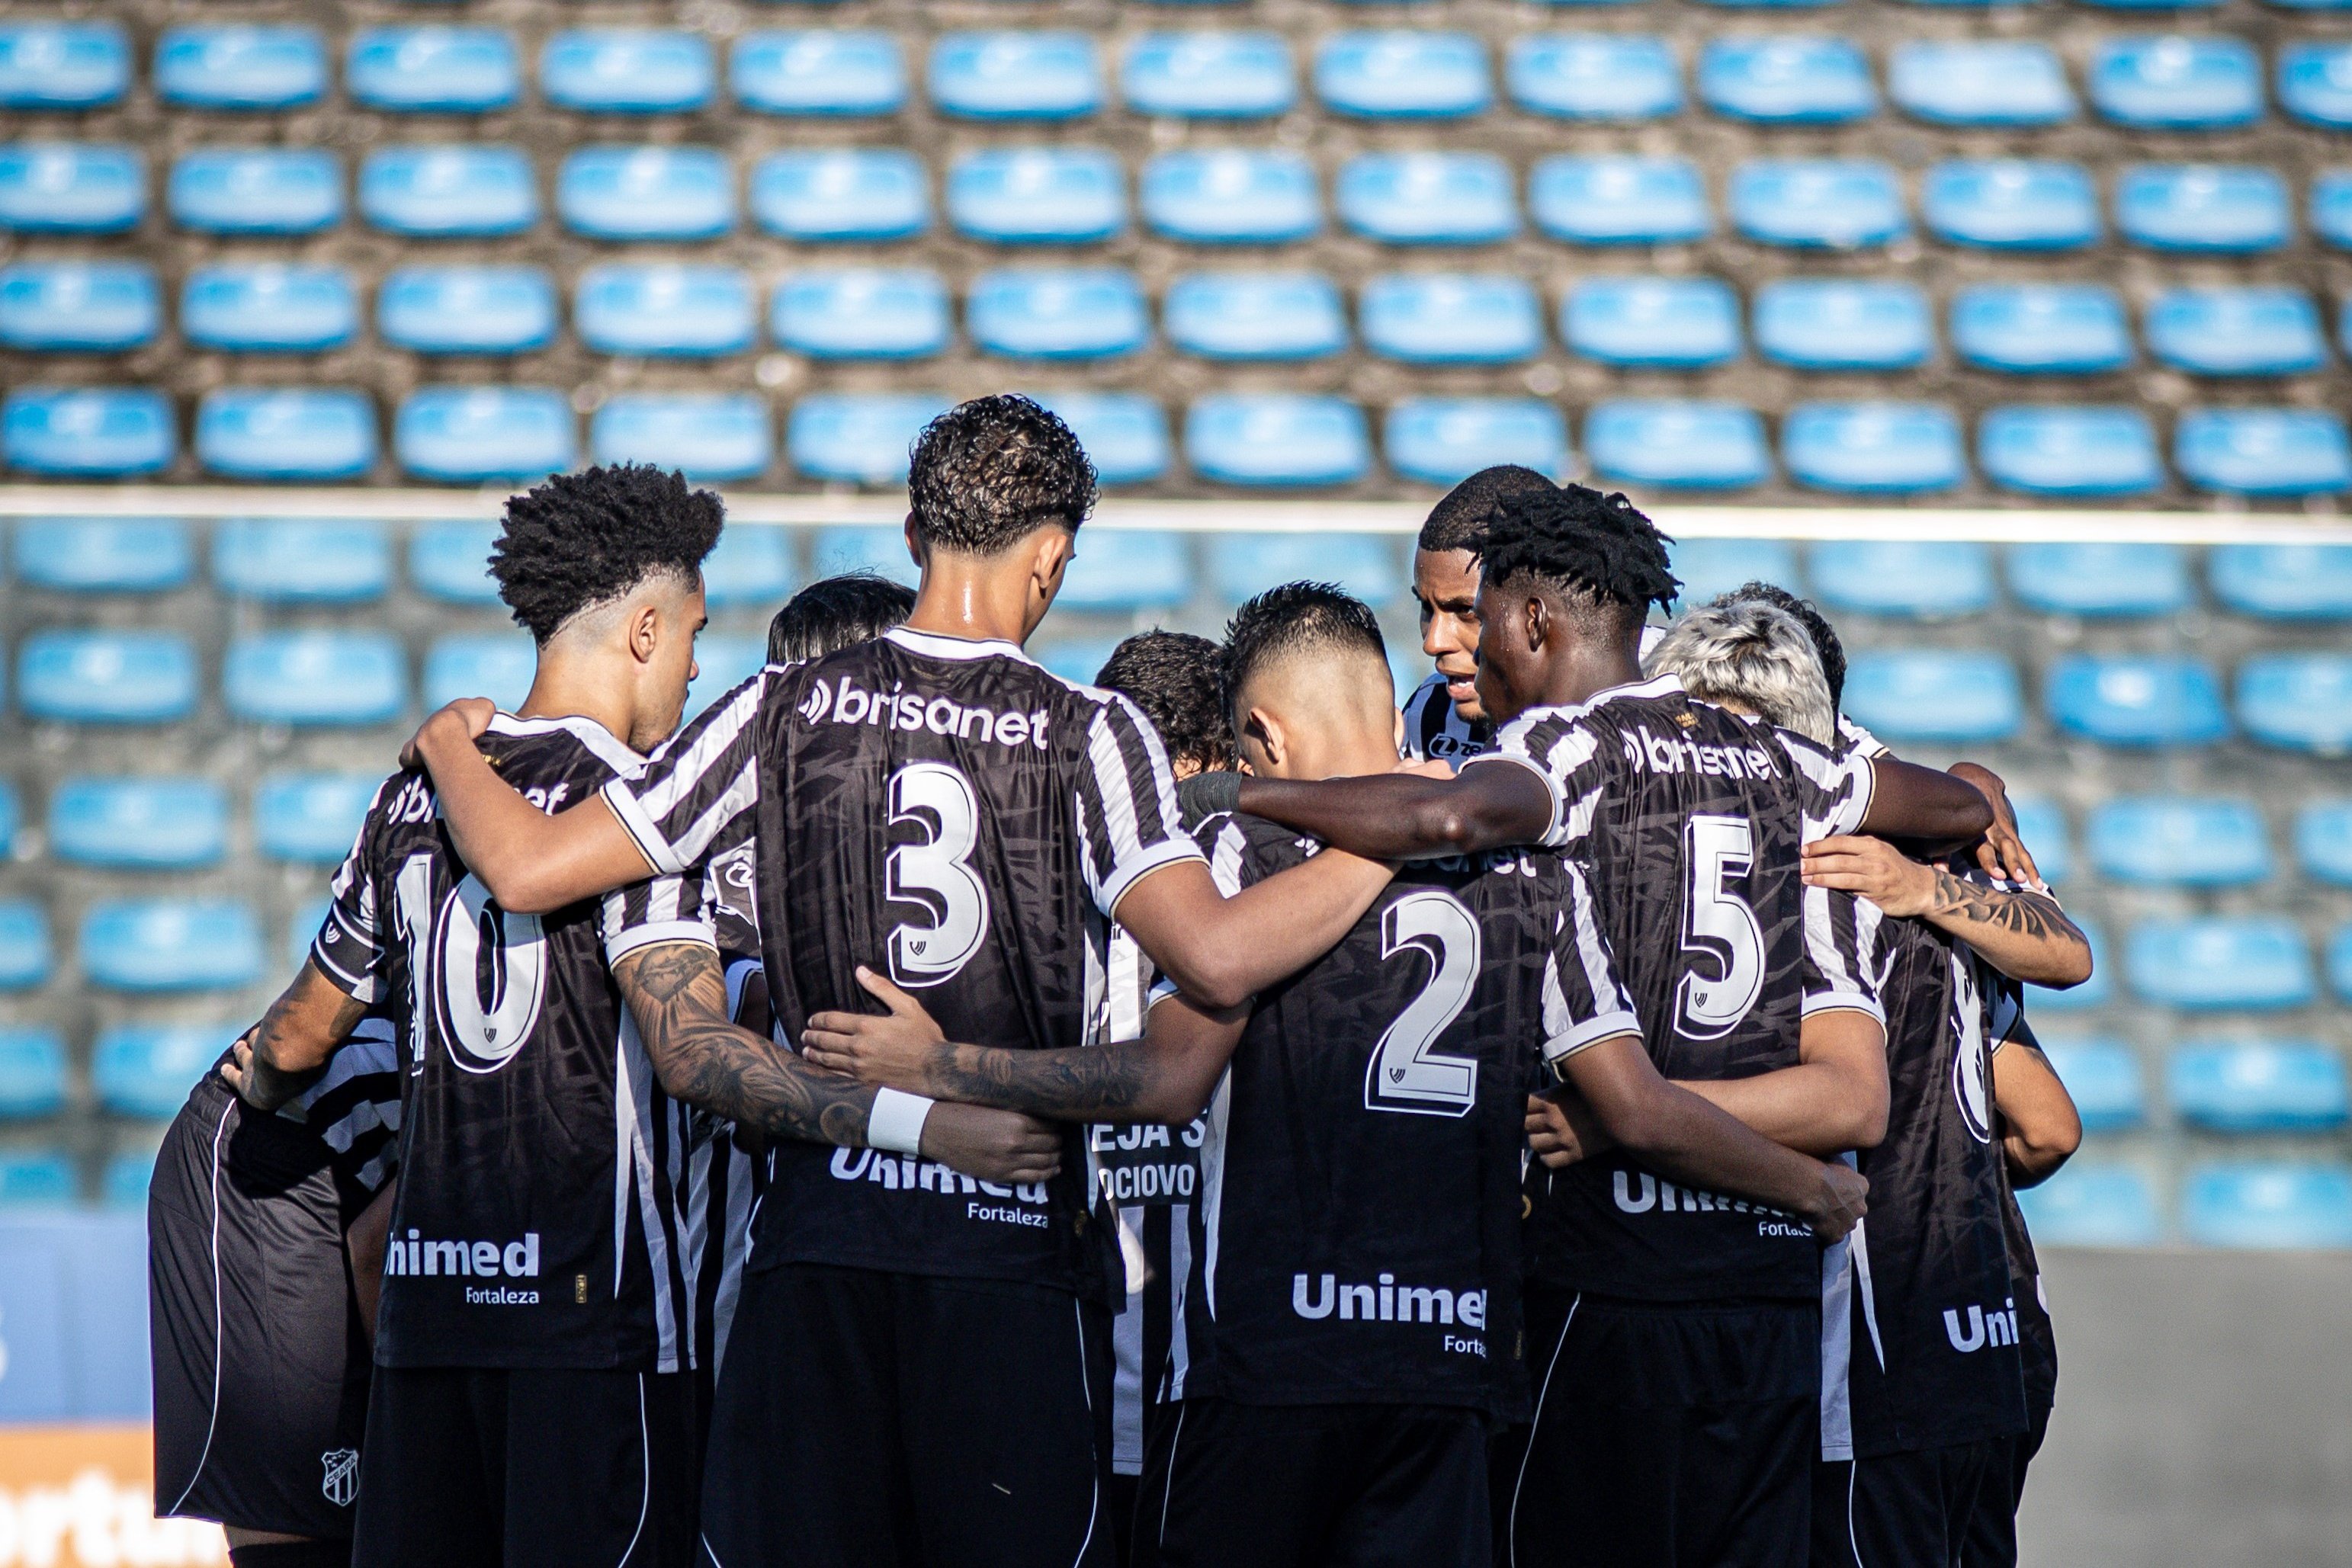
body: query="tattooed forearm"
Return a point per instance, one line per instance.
(302, 1029)
(1958, 903)
(1113, 1083)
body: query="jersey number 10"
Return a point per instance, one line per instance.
(485, 1017)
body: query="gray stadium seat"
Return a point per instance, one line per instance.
(2283, 581)
(144, 823)
(269, 308)
(646, 193)
(628, 71)
(1427, 198)
(1676, 443)
(1818, 203)
(1126, 433)
(841, 193)
(861, 313)
(1403, 74)
(147, 1071)
(1037, 195)
(714, 437)
(1449, 319)
(2072, 577)
(32, 1068)
(1254, 316)
(497, 665)
(106, 677)
(1445, 440)
(311, 819)
(52, 64)
(445, 193)
(1935, 695)
(2038, 450)
(2208, 208)
(1593, 75)
(1980, 83)
(2177, 83)
(2258, 1086)
(858, 437)
(2262, 451)
(97, 433)
(1209, 76)
(818, 72)
(1057, 313)
(78, 307)
(1619, 200)
(1662, 323)
(2298, 702)
(2268, 1204)
(2103, 1078)
(1231, 196)
(1016, 75)
(1844, 324)
(2253, 963)
(286, 432)
(2137, 700)
(239, 66)
(1873, 448)
(2178, 841)
(2041, 329)
(2011, 203)
(473, 435)
(316, 677)
(663, 310)
(1924, 579)
(104, 555)
(2236, 331)
(167, 945)
(467, 309)
(70, 187)
(1277, 439)
(302, 560)
(281, 191)
(433, 70)
(1786, 80)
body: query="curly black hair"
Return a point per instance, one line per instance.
(1173, 676)
(1816, 625)
(1599, 552)
(587, 538)
(987, 473)
(835, 612)
(1459, 519)
(1292, 618)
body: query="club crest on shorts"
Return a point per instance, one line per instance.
(341, 1481)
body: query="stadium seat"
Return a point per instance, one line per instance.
(1980, 83)
(78, 307)
(1123, 571)
(1057, 313)
(2069, 451)
(311, 819)
(2175, 83)
(32, 1068)
(447, 192)
(1817, 203)
(2331, 207)
(286, 432)
(256, 191)
(2314, 84)
(10, 815)
(1076, 660)
(70, 187)
(1786, 80)
(1209, 76)
(107, 677)
(1652, 323)
(2339, 962)
(1449, 319)
(2267, 1205)
(302, 560)
(1676, 443)
(724, 662)
(474, 434)
(25, 956)
(663, 310)
(2043, 826)
(2137, 700)
(168, 945)
(2010, 205)
(2258, 1086)
(1365, 564)
(497, 665)
(123, 1182)
(2178, 841)
(1873, 448)
(1029, 75)
(818, 72)
(751, 565)
(858, 437)
(433, 70)
(1403, 74)
(1712, 566)
(104, 555)
(2236, 331)
(628, 71)
(1914, 579)
(147, 823)
(239, 66)
(268, 306)
(2322, 841)
(2041, 329)
(450, 562)
(1231, 196)
(1277, 439)
(2092, 995)
(1126, 433)
(98, 432)
(2082, 579)
(1619, 200)
(2299, 702)
(2283, 582)
(2219, 209)
(841, 193)
(1445, 440)
(2103, 1078)
(1935, 695)
(1254, 316)
(861, 313)
(646, 193)
(315, 677)
(714, 437)
(467, 309)
(1844, 324)
(880, 550)
(1427, 198)
(1037, 195)
(1593, 75)
(51, 65)
(2262, 451)
(36, 1179)
(2251, 963)
(146, 1071)
(2094, 1204)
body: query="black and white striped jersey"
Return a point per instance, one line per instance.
(355, 1110)
(537, 1221)
(1433, 730)
(2037, 1336)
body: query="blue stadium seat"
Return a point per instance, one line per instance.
(1076, 660)
(1445, 440)
(1231, 196)
(1126, 433)
(2103, 1078)
(858, 437)
(104, 555)
(2322, 841)
(1209, 76)
(302, 560)
(87, 432)
(168, 945)
(2258, 1086)
(2175, 83)
(2331, 207)
(1873, 448)
(628, 71)
(2011, 203)
(256, 191)
(286, 432)
(2339, 962)
(146, 1071)
(1620, 199)
(9, 816)
(2236, 331)
(2283, 582)
(725, 663)
(467, 309)
(70, 187)
(1818, 203)
(151, 823)
(433, 70)
(56, 65)
(1674, 443)
(497, 665)
(1980, 83)
(1126, 569)
(646, 193)
(315, 677)
(1277, 439)
(450, 562)
(1427, 198)
(1403, 74)
(78, 307)
(2082, 579)
(25, 959)
(1593, 75)
(1057, 313)
(1254, 316)
(2253, 963)
(2300, 702)
(32, 1070)
(715, 437)
(107, 677)
(36, 1179)
(2094, 1204)
(473, 435)
(1935, 695)
(1920, 579)
(311, 819)
(2093, 994)
(2314, 84)
(2262, 451)
(1711, 566)
(1365, 564)
(2217, 208)
(841, 193)
(239, 66)
(752, 565)
(123, 1182)
(1029, 75)
(1652, 323)
(2178, 841)
(819, 71)
(1451, 318)
(881, 550)
(2137, 700)
(1785, 79)
(2041, 329)
(268, 306)
(861, 313)
(446, 192)
(1844, 324)
(663, 310)
(2069, 451)
(1037, 195)
(2043, 826)
(2267, 1205)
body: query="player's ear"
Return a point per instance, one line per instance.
(914, 543)
(1538, 621)
(645, 630)
(1267, 730)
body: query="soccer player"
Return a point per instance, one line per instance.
(1443, 718)
(834, 612)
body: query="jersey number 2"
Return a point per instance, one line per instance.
(444, 958)
(935, 872)
(1407, 1074)
(1718, 921)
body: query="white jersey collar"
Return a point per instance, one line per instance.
(939, 645)
(609, 749)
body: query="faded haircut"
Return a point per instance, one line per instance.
(1459, 519)
(1752, 656)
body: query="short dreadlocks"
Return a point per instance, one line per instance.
(989, 472)
(1597, 552)
(587, 538)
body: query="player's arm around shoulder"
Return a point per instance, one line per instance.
(285, 1053)
(1417, 812)
(2020, 931)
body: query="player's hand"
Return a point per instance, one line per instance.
(464, 719)
(1552, 1133)
(237, 1071)
(892, 1051)
(1872, 868)
(1002, 1146)
(1841, 1203)
(2000, 851)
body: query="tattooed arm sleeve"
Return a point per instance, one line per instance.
(2021, 932)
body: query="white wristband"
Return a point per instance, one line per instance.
(895, 1123)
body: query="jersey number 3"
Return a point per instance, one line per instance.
(1407, 1074)
(935, 872)
(1719, 923)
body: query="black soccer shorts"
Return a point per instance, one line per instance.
(1991, 1540)
(1910, 1509)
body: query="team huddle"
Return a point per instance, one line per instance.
(925, 1112)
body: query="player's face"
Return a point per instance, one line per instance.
(671, 667)
(1510, 655)
(1446, 583)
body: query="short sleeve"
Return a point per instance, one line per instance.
(1129, 818)
(1841, 954)
(1584, 1002)
(1834, 788)
(1561, 748)
(1233, 864)
(701, 784)
(1853, 738)
(669, 908)
(348, 947)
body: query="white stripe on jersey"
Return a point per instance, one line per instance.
(1837, 1350)
(632, 1096)
(1212, 1183)
(1179, 1274)
(1225, 865)
(1112, 779)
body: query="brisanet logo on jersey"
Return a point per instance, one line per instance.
(1389, 1302)
(416, 1256)
(846, 702)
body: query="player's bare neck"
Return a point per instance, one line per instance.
(1582, 668)
(975, 599)
(569, 686)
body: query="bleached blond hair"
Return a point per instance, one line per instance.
(1751, 657)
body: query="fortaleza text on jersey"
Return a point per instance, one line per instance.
(846, 702)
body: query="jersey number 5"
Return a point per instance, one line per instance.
(935, 872)
(1407, 1074)
(485, 1011)
(1719, 923)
